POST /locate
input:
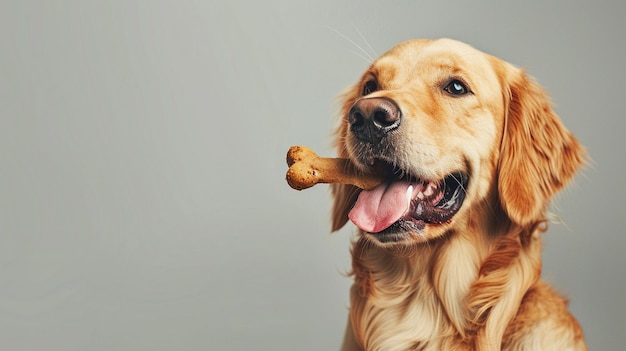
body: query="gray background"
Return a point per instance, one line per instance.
(142, 196)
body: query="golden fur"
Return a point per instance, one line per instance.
(472, 283)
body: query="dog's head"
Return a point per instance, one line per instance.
(463, 135)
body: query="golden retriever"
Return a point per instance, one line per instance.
(448, 254)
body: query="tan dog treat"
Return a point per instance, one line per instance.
(306, 169)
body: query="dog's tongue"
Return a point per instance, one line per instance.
(375, 210)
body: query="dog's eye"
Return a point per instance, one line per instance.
(370, 87)
(456, 87)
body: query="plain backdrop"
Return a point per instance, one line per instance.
(142, 196)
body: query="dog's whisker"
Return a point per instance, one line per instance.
(363, 57)
(459, 182)
(364, 39)
(366, 56)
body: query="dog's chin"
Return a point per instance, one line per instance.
(406, 233)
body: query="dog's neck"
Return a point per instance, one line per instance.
(452, 293)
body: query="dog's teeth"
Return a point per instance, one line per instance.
(429, 190)
(409, 197)
(419, 209)
(409, 193)
(420, 195)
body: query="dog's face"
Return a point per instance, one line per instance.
(434, 113)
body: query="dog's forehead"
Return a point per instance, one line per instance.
(421, 57)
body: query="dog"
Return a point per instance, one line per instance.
(448, 251)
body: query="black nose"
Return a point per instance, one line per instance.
(372, 118)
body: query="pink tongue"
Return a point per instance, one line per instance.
(377, 209)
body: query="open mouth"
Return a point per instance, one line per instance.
(401, 205)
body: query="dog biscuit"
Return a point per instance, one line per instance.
(306, 169)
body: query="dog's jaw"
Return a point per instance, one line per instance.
(405, 210)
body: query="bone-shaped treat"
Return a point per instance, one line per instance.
(306, 169)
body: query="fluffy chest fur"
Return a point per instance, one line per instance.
(443, 296)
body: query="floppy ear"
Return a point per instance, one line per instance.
(344, 196)
(538, 154)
